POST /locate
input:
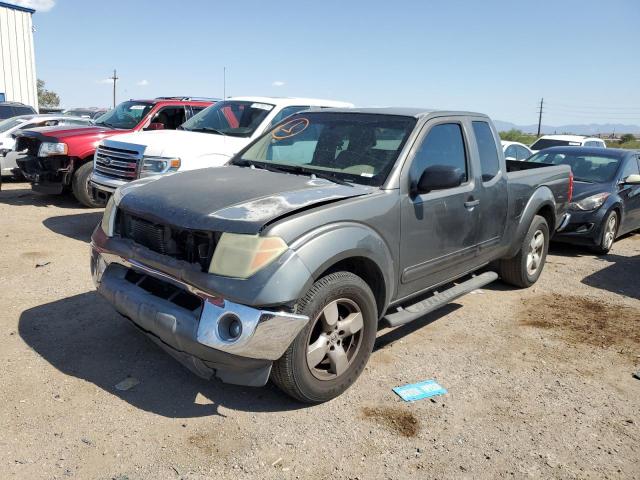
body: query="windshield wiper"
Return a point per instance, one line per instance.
(207, 130)
(327, 176)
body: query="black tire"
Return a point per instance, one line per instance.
(606, 241)
(81, 189)
(515, 271)
(292, 373)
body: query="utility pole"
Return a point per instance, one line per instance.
(540, 116)
(115, 79)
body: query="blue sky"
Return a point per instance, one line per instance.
(494, 56)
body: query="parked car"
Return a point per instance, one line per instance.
(208, 139)
(283, 263)
(11, 126)
(515, 150)
(13, 109)
(547, 141)
(61, 158)
(606, 197)
(91, 112)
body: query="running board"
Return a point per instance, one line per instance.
(437, 300)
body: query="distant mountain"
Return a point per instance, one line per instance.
(590, 129)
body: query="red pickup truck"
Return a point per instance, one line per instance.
(55, 159)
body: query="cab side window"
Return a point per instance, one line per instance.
(443, 145)
(170, 117)
(489, 160)
(511, 153)
(523, 153)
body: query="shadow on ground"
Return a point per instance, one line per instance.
(78, 226)
(21, 197)
(82, 336)
(621, 276)
(387, 338)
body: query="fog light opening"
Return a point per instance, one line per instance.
(229, 327)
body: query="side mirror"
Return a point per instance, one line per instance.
(632, 180)
(513, 159)
(155, 126)
(439, 177)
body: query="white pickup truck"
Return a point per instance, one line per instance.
(208, 139)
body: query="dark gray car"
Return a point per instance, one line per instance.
(283, 264)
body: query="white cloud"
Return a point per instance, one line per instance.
(105, 80)
(38, 5)
(278, 83)
(143, 83)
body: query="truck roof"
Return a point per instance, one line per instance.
(405, 111)
(295, 101)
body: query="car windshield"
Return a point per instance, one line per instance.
(9, 123)
(549, 142)
(345, 147)
(126, 115)
(585, 167)
(231, 117)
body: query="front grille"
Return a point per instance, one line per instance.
(164, 290)
(28, 146)
(188, 245)
(117, 162)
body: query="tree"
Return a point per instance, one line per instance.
(627, 137)
(47, 98)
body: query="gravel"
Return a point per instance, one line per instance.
(540, 381)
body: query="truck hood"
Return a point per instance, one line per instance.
(62, 133)
(184, 144)
(229, 199)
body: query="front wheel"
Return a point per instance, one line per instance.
(609, 231)
(331, 352)
(525, 268)
(82, 189)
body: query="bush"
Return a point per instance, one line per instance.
(627, 137)
(515, 135)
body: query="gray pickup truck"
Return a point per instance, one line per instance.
(284, 263)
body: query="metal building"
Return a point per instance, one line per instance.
(17, 59)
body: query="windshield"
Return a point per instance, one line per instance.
(231, 117)
(352, 147)
(548, 142)
(9, 123)
(126, 115)
(585, 168)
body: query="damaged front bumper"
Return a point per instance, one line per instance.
(190, 324)
(46, 174)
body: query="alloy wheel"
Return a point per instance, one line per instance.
(334, 339)
(536, 249)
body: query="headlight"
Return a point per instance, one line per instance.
(590, 203)
(158, 166)
(48, 149)
(109, 216)
(241, 256)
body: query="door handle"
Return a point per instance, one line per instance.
(472, 203)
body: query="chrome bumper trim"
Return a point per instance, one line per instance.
(265, 334)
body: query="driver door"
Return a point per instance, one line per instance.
(438, 228)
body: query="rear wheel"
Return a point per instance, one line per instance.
(525, 268)
(609, 232)
(329, 354)
(81, 188)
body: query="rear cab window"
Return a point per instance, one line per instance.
(487, 150)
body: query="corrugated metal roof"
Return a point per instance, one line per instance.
(17, 7)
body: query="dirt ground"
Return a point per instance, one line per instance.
(539, 381)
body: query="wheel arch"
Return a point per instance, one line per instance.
(354, 248)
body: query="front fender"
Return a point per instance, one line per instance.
(330, 244)
(542, 198)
